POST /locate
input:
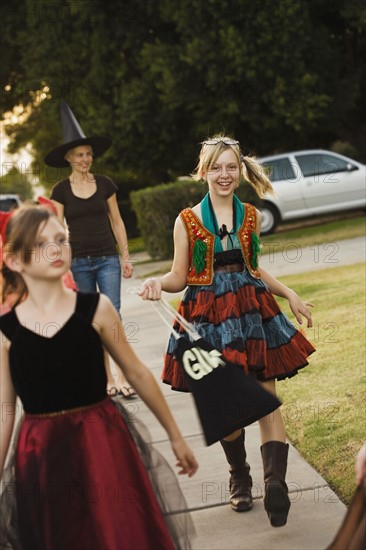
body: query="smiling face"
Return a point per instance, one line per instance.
(223, 175)
(80, 158)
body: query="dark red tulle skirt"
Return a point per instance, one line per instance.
(82, 485)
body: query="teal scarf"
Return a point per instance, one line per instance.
(210, 221)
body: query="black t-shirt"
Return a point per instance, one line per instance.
(88, 221)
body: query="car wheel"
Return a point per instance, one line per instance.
(270, 218)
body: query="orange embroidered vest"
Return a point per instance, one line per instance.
(197, 233)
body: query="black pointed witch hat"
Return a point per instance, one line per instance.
(74, 136)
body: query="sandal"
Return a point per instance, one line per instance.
(127, 392)
(112, 391)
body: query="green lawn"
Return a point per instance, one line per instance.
(308, 236)
(324, 406)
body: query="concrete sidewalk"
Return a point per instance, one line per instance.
(279, 260)
(315, 513)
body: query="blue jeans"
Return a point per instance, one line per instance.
(101, 273)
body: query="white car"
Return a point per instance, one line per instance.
(311, 182)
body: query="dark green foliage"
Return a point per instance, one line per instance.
(156, 209)
(14, 181)
(159, 76)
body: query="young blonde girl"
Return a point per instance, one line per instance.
(79, 479)
(230, 301)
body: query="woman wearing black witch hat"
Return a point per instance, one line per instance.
(98, 235)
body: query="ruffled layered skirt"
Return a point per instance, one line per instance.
(90, 480)
(240, 317)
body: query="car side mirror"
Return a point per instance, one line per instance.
(351, 167)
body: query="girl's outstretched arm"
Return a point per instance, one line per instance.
(7, 401)
(141, 378)
(298, 307)
(175, 280)
(361, 466)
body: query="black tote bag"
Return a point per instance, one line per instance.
(225, 397)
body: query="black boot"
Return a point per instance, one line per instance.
(276, 501)
(240, 480)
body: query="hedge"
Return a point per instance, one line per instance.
(157, 207)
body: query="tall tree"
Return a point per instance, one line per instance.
(158, 76)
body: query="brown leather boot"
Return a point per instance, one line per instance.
(276, 500)
(240, 480)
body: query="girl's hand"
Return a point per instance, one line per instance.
(150, 289)
(186, 459)
(361, 466)
(299, 308)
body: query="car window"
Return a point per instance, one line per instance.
(320, 163)
(8, 204)
(279, 169)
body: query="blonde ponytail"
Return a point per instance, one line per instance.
(256, 176)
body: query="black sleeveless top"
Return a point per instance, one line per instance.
(61, 372)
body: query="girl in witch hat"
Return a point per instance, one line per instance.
(230, 302)
(98, 235)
